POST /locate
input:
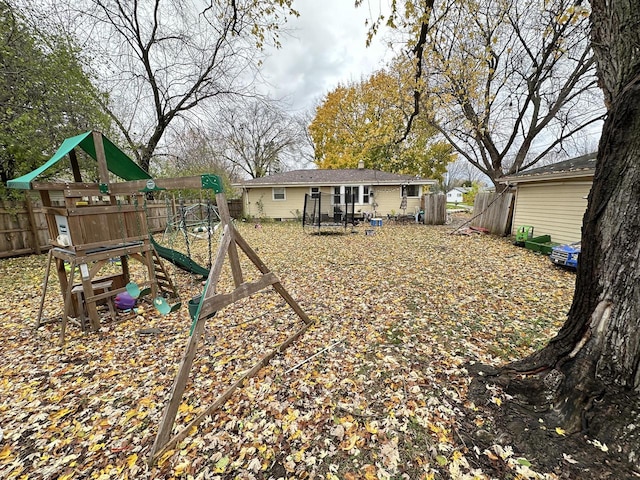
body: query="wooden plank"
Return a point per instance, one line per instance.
(218, 302)
(192, 182)
(75, 167)
(216, 269)
(103, 169)
(177, 390)
(67, 300)
(234, 260)
(14, 253)
(44, 288)
(100, 210)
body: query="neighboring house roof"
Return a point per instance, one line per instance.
(582, 166)
(322, 177)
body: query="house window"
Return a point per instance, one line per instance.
(411, 190)
(315, 192)
(278, 193)
(337, 196)
(352, 194)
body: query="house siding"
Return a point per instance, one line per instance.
(388, 199)
(454, 196)
(286, 209)
(552, 208)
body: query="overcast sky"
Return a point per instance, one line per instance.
(326, 46)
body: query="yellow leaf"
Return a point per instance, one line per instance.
(370, 472)
(181, 468)
(348, 445)
(61, 413)
(6, 451)
(132, 459)
(165, 457)
(372, 427)
(560, 431)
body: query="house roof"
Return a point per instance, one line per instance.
(324, 177)
(577, 167)
(118, 162)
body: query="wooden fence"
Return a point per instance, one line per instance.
(23, 227)
(434, 207)
(493, 211)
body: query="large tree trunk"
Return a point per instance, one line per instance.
(596, 354)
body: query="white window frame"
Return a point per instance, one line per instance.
(273, 194)
(314, 192)
(343, 190)
(405, 186)
(366, 192)
(337, 192)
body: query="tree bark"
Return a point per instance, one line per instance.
(595, 357)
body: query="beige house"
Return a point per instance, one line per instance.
(282, 196)
(553, 198)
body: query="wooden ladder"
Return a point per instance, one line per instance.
(165, 284)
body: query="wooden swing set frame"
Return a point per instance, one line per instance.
(210, 303)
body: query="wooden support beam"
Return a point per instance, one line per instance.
(218, 302)
(216, 269)
(75, 166)
(32, 224)
(225, 219)
(67, 302)
(103, 170)
(179, 384)
(44, 287)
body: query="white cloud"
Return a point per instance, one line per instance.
(326, 47)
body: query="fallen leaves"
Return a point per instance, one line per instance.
(374, 389)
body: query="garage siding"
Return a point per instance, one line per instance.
(554, 209)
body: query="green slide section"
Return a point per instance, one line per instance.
(180, 260)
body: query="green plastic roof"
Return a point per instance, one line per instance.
(118, 162)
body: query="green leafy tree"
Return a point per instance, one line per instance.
(45, 94)
(365, 121)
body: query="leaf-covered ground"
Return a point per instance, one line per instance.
(382, 393)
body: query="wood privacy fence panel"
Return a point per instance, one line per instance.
(434, 207)
(157, 215)
(493, 211)
(23, 221)
(235, 207)
(23, 228)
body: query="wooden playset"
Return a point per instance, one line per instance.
(91, 223)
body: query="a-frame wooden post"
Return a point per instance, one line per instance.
(210, 303)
